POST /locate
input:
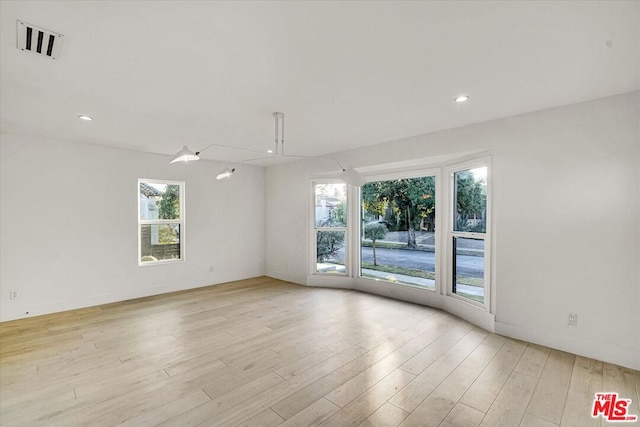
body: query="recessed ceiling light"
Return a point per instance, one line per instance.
(87, 118)
(462, 98)
(270, 151)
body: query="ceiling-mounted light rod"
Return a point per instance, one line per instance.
(278, 118)
(186, 155)
(279, 131)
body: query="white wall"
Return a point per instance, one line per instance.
(566, 206)
(68, 225)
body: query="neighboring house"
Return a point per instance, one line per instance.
(149, 196)
(325, 207)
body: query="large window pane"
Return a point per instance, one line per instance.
(468, 268)
(330, 205)
(470, 195)
(330, 252)
(160, 221)
(159, 201)
(330, 222)
(398, 231)
(159, 242)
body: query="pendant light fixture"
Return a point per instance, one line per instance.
(184, 155)
(350, 176)
(226, 173)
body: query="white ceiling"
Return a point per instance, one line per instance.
(159, 75)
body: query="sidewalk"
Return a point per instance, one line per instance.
(393, 277)
(426, 242)
(423, 238)
(417, 281)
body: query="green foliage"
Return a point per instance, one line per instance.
(405, 271)
(169, 205)
(169, 208)
(462, 219)
(166, 234)
(339, 215)
(422, 274)
(375, 231)
(394, 245)
(471, 202)
(411, 199)
(373, 199)
(328, 244)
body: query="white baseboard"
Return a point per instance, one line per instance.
(573, 344)
(287, 277)
(329, 281)
(25, 310)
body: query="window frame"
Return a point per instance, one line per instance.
(450, 172)
(181, 221)
(313, 237)
(408, 174)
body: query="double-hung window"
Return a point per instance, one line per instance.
(398, 229)
(160, 221)
(401, 227)
(330, 227)
(469, 234)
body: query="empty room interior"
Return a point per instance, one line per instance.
(393, 213)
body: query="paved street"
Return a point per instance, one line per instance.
(470, 266)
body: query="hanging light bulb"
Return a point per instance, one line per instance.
(226, 173)
(184, 155)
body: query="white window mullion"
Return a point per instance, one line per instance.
(330, 220)
(160, 240)
(468, 242)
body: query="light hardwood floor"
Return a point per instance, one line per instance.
(262, 352)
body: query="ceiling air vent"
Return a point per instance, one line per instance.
(38, 40)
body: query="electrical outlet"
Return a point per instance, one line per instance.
(13, 294)
(573, 319)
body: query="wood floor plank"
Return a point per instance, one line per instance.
(622, 381)
(511, 403)
(168, 411)
(430, 354)
(533, 360)
(357, 385)
(530, 420)
(413, 394)
(299, 400)
(586, 381)
(266, 418)
(216, 405)
(358, 410)
(313, 414)
(388, 415)
(484, 390)
(463, 416)
(309, 360)
(242, 413)
(437, 405)
(22, 411)
(550, 394)
(263, 352)
(636, 397)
